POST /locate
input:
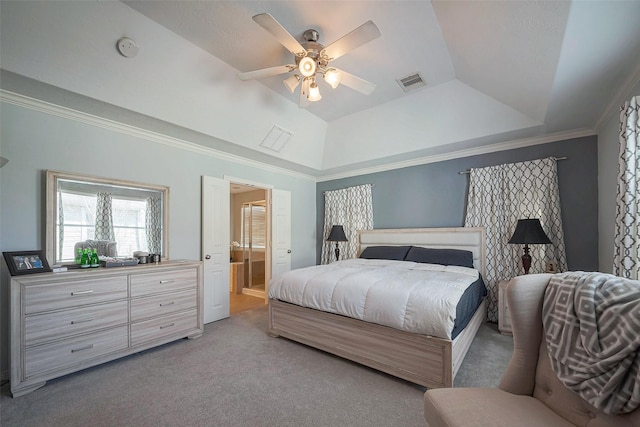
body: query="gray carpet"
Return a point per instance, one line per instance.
(236, 375)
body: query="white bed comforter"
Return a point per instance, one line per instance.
(414, 297)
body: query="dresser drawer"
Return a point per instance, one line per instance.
(163, 326)
(157, 305)
(146, 284)
(38, 298)
(40, 328)
(66, 353)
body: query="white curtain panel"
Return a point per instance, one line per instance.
(352, 208)
(104, 217)
(153, 224)
(498, 197)
(626, 253)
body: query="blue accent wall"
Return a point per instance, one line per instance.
(435, 194)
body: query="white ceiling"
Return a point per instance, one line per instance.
(495, 70)
(508, 50)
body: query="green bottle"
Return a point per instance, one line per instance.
(78, 256)
(84, 261)
(95, 261)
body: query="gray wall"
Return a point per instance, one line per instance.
(434, 194)
(35, 141)
(608, 152)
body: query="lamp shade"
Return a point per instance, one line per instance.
(337, 234)
(529, 231)
(314, 93)
(292, 82)
(333, 77)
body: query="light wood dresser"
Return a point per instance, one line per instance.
(504, 317)
(64, 322)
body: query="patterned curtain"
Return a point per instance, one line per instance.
(498, 197)
(626, 252)
(353, 209)
(60, 225)
(104, 217)
(153, 225)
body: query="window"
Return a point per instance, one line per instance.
(81, 208)
(78, 221)
(129, 225)
(79, 217)
(254, 225)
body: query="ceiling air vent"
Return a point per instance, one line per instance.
(276, 138)
(411, 82)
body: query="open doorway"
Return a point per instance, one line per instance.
(249, 247)
(218, 247)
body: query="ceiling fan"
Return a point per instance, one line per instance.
(312, 59)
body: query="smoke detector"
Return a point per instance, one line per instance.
(127, 47)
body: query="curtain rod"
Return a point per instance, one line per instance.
(469, 171)
(372, 185)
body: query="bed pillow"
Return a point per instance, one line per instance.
(397, 253)
(440, 256)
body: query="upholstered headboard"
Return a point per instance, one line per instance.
(465, 238)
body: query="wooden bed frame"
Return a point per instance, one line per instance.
(425, 360)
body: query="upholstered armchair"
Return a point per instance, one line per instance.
(103, 247)
(529, 394)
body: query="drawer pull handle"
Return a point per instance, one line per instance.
(81, 293)
(88, 319)
(166, 281)
(167, 326)
(87, 347)
(167, 303)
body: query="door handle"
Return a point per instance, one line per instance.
(207, 257)
(289, 251)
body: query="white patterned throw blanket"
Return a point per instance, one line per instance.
(592, 328)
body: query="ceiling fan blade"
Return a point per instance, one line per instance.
(356, 38)
(266, 72)
(356, 83)
(270, 24)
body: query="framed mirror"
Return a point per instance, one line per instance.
(120, 217)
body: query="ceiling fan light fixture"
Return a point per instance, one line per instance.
(307, 66)
(312, 58)
(314, 93)
(291, 82)
(333, 77)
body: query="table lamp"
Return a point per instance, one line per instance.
(528, 231)
(337, 235)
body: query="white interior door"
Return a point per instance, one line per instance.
(215, 247)
(281, 231)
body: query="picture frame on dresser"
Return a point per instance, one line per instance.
(26, 262)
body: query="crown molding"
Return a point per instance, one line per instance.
(485, 149)
(71, 114)
(101, 122)
(622, 96)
